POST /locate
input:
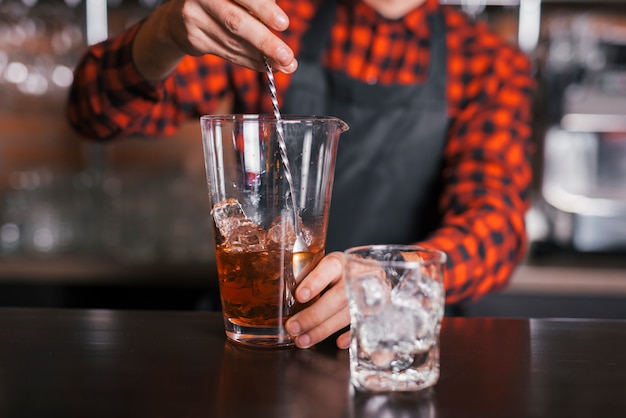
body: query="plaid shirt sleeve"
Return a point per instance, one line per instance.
(487, 172)
(110, 98)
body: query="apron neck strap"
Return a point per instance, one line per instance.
(317, 37)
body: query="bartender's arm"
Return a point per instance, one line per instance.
(121, 86)
(236, 31)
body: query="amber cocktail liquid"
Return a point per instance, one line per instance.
(260, 203)
(257, 287)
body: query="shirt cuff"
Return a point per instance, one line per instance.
(122, 74)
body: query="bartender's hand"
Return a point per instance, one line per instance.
(239, 31)
(330, 312)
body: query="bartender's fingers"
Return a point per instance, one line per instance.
(323, 318)
(329, 271)
(268, 12)
(330, 312)
(343, 341)
(245, 35)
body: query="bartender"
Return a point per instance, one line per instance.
(439, 110)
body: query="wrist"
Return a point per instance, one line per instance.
(154, 52)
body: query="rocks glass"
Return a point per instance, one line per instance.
(396, 298)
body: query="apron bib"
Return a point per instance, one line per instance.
(387, 176)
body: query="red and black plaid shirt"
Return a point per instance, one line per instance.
(487, 172)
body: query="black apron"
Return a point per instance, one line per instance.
(388, 171)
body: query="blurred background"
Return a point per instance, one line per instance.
(126, 225)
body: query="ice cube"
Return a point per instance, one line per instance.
(408, 283)
(227, 216)
(433, 292)
(281, 232)
(408, 291)
(371, 294)
(237, 231)
(403, 329)
(421, 323)
(246, 236)
(386, 329)
(421, 297)
(388, 338)
(417, 288)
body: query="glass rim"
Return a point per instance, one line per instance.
(440, 256)
(269, 118)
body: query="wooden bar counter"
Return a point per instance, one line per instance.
(113, 363)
